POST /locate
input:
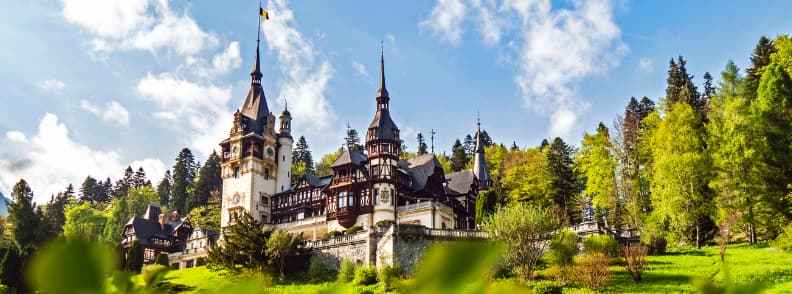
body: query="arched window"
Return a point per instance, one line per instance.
(236, 172)
(266, 174)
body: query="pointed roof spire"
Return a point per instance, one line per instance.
(382, 92)
(480, 164)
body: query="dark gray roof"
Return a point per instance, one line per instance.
(459, 183)
(382, 126)
(255, 107)
(420, 168)
(152, 213)
(355, 157)
(145, 229)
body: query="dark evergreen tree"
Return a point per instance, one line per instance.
(544, 144)
(514, 146)
(680, 86)
(302, 153)
(162, 259)
(69, 192)
(209, 181)
(90, 190)
(23, 217)
(459, 156)
(759, 59)
(421, 144)
(106, 191)
(134, 258)
(244, 244)
(123, 185)
(485, 138)
(183, 180)
(565, 180)
(469, 144)
(352, 139)
(139, 180)
(164, 189)
(55, 215)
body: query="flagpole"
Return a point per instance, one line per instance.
(258, 17)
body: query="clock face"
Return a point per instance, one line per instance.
(235, 200)
(270, 151)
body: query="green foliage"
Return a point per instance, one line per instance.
(389, 276)
(365, 275)
(71, 266)
(162, 259)
(346, 272)
(782, 54)
(604, 244)
(546, 287)
(682, 171)
(527, 177)
(134, 259)
(244, 244)
(119, 216)
(208, 182)
(523, 229)
(200, 261)
(84, 221)
(316, 270)
(280, 246)
(183, 180)
(302, 154)
(22, 215)
(207, 216)
(592, 270)
(566, 185)
(164, 188)
(332, 234)
(563, 248)
(459, 156)
(635, 260)
(653, 237)
(298, 170)
(353, 229)
(486, 203)
(597, 166)
(784, 241)
(323, 166)
(759, 59)
(140, 199)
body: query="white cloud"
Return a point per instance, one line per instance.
(137, 24)
(228, 60)
(51, 85)
(198, 107)
(445, 20)
(305, 74)
(553, 49)
(52, 160)
(646, 64)
(360, 69)
(113, 111)
(16, 136)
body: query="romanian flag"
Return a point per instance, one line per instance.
(263, 13)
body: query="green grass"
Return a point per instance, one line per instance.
(669, 273)
(672, 273)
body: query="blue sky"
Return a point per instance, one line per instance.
(89, 87)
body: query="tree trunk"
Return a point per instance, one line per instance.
(698, 234)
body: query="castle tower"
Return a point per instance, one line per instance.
(383, 147)
(249, 164)
(284, 154)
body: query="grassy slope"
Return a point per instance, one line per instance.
(668, 273)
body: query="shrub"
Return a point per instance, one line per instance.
(162, 259)
(604, 244)
(353, 229)
(635, 260)
(388, 275)
(547, 287)
(563, 248)
(592, 270)
(316, 270)
(200, 261)
(384, 223)
(365, 275)
(331, 234)
(346, 272)
(653, 238)
(134, 257)
(784, 240)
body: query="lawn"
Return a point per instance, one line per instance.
(668, 273)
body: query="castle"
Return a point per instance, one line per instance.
(367, 187)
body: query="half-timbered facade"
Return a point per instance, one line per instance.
(157, 233)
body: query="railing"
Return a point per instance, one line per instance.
(460, 234)
(415, 206)
(304, 221)
(338, 240)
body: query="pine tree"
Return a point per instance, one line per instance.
(680, 86)
(23, 217)
(485, 138)
(183, 180)
(134, 258)
(469, 144)
(565, 181)
(55, 215)
(123, 185)
(90, 190)
(139, 179)
(514, 146)
(302, 153)
(164, 189)
(759, 59)
(709, 90)
(421, 144)
(352, 139)
(209, 180)
(245, 244)
(459, 157)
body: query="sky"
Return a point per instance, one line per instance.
(88, 87)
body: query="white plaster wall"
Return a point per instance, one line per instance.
(284, 164)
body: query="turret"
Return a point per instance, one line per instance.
(284, 158)
(480, 164)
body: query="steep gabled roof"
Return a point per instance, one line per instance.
(420, 168)
(354, 157)
(459, 183)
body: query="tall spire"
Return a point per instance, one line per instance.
(480, 164)
(382, 92)
(255, 75)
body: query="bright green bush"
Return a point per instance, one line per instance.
(563, 248)
(346, 272)
(388, 275)
(365, 275)
(547, 287)
(316, 270)
(784, 241)
(604, 244)
(331, 234)
(353, 229)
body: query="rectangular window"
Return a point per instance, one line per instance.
(300, 215)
